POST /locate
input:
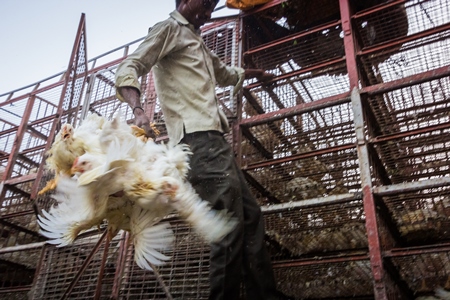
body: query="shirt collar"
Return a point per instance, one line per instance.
(182, 20)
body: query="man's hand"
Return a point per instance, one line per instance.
(131, 96)
(260, 74)
(143, 121)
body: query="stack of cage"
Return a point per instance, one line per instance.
(301, 152)
(93, 267)
(406, 106)
(353, 185)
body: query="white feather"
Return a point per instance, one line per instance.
(213, 225)
(89, 130)
(150, 239)
(117, 156)
(147, 181)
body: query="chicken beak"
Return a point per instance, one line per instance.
(75, 168)
(65, 132)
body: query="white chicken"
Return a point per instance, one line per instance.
(71, 143)
(86, 204)
(132, 185)
(76, 212)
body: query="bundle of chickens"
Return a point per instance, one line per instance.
(106, 170)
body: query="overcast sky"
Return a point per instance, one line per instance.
(37, 36)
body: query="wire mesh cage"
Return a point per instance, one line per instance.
(423, 272)
(186, 275)
(310, 231)
(298, 143)
(328, 280)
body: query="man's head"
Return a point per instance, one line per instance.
(197, 12)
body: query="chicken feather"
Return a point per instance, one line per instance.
(132, 185)
(69, 144)
(212, 224)
(73, 214)
(117, 157)
(149, 239)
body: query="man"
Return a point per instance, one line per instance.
(185, 74)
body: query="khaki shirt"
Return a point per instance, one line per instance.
(186, 73)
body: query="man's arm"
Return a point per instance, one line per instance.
(159, 42)
(131, 96)
(259, 74)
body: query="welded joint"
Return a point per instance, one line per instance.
(358, 117)
(347, 28)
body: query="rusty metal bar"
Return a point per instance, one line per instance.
(17, 141)
(42, 120)
(36, 133)
(161, 281)
(262, 7)
(255, 143)
(15, 289)
(382, 88)
(76, 47)
(373, 235)
(10, 123)
(296, 110)
(236, 132)
(84, 266)
(312, 262)
(292, 37)
(121, 260)
(398, 42)
(9, 130)
(27, 95)
(349, 43)
(38, 268)
(17, 214)
(72, 110)
(298, 156)
(16, 190)
(21, 179)
(333, 199)
(46, 101)
(22, 247)
(400, 252)
(101, 272)
(395, 136)
(410, 186)
(378, 8)
(291, 75)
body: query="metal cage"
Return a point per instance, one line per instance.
(346, 150)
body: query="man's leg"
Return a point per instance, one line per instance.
(214, 178)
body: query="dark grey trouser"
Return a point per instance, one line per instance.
(217, 179)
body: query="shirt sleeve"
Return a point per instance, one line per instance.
(156, 45)
(240, 83)
(228, 75)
